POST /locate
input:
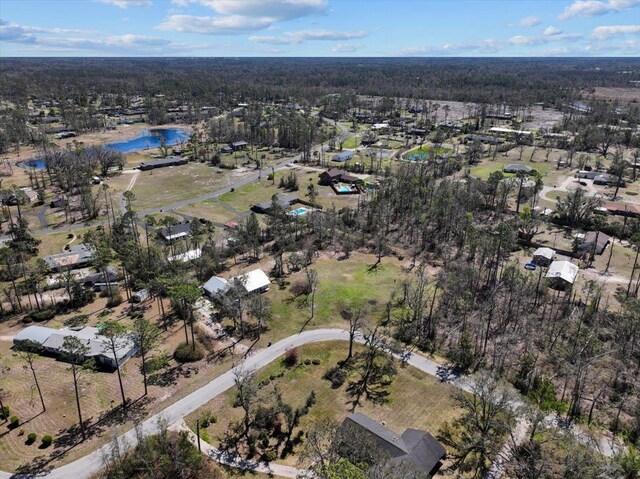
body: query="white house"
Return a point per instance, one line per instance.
(543, 256)
(562, 274)
(255, 281)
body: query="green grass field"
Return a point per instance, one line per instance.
(164, 186)
(341, 284)
(416, 399)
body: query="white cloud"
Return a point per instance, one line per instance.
(344, 47)
(293, 38)
(530, 21)
(238, 16)
(588, 8)
(58, 39)
(127, 3)
(551, 31)
(605, 32)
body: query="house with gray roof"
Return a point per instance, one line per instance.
(282, 199)
(51, 340)
(415, 447)
(78, 256)
(162, 163)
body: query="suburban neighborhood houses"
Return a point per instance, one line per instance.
(288, 251)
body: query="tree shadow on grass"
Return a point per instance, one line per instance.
(68, 438)
(170, 377)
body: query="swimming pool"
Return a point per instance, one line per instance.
(343, 189)
(151, 139)
(299, 211)
(35, 164)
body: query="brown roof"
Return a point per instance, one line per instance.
(335, 172)
(623, 208)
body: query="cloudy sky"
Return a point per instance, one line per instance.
(319, 28)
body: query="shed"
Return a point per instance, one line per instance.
(238, 145)
(562, 274)
(543, 256)
(595, 239)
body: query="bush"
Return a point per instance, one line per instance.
(40, 316)
(307, 362)
(185, 353)
(4, 412)
(114, 300)
(269, 456)
(291, 357)
(14, 422)
(207, 419)
(337, 376)
(47, 440)
(300, 287)
(315, 362)
(31, 438)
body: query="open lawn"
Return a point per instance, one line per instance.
(212, 210)
(416, 400)
(488, 166)
(351, 142)
(341, 284)
(165, 186)
(427, 150)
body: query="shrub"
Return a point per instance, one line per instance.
(27, 320)
(31, 438)
(291, 357)
(14, 422)
(300, 287)
(4, 412)
(269, 456)
(207, 419)
(307, 362)
(21, 432)
(114, 300)
(40, 316)
(47, 440)
(337, 376)
(315, 362)
(185, 353)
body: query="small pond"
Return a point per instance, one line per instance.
(34, 163)
(151, 139)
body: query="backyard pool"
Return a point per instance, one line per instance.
(343, 189)
(151, 139)
(299, 211)
(33, 164)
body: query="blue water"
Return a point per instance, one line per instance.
(417, 156)
(298, 212)
(344, 189)
(34, 163)
(150, 139)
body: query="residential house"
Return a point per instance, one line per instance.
(342, 157)
(255, 281)
(515, 168)
(162, 163)
(99, 348)
(177, 231)
(562, 274)
(77, 256)
(282, 199)
(239, 145)
(414, 447)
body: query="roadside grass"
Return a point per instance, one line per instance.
(165, 186)
(211, 210)
(416, 399)
(342, 283)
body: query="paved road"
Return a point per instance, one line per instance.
(91, 463)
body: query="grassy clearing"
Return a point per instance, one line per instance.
(211, 210)
(168, 185)
(427, 150)
(416, 400)
(352, 142)
(342, 284)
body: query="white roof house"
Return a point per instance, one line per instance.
(256, 280)
(562, 272)
(253, 281)
(98, 346)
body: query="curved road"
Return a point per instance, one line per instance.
(91, 463)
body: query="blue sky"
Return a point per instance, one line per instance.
(319, 28)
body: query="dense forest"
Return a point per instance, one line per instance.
(218, 81)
